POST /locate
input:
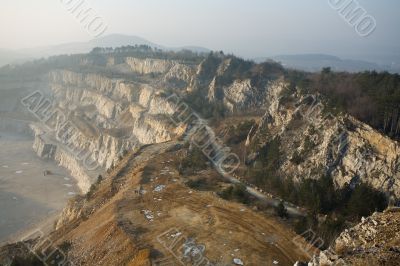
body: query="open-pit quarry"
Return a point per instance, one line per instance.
(103, 132)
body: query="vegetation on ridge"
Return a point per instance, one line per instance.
(371, 97)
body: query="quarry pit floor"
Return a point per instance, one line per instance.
(28, 198)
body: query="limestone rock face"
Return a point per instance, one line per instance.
(374, 241)
(237, 96)
(147, 66)
(78, 171)
(43, 149)
(315, 142)
(241, 95)
(72, 211)
(111, 115)
(97, 119)
(181, 72)
(170, 70)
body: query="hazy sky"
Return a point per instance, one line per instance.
(244, 27)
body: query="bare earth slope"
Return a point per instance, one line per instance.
(118, 225)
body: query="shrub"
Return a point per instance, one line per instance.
(239, 133)
(99, 179)
(297, 158)
(65, 246)
(281, 210)
(364, 200)
(226, 193)
(30, 260)
(196, 184)
(236, 192)
(91, 191)
(194, 161)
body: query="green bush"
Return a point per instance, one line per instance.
(297, 158)
(238, 134)
(65, 246)
(369, 96)
(236, 192)
(365, 200)
(197, 184)
(281, 210)
(194, 161)
(30, 260)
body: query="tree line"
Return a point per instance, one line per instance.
(371, 97)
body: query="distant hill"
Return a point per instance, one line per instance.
(315, 62)
(9, 56)
(113, 40)
(116, 40)
(306, 62)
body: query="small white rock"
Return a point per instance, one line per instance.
(159, 188)
(238, 261)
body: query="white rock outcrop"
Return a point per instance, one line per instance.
(100, 118)
(316, 143)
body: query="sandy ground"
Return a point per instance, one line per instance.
(27, 197)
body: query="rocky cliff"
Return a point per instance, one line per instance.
(315, 142)
(374, 241)
(110, 115)
(97, 119)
